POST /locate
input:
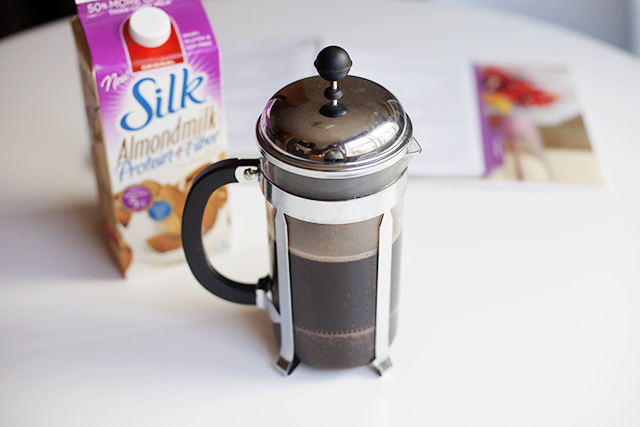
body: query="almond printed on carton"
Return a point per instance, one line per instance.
(153, 98)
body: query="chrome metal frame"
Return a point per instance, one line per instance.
(285, 362)
(330, 212)
(381, 361)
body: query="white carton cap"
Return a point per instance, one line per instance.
(150, 26)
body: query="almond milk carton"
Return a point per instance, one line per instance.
(151, 81)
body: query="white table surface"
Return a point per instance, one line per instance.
(520, 304)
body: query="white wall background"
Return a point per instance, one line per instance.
(613, 21)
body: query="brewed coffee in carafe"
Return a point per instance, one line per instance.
(334, 268)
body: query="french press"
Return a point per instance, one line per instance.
(333, 172)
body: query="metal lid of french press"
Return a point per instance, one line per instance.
(351, 127)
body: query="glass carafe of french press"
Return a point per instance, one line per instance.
(334, 155)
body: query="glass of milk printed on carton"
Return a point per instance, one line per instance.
(151, 81)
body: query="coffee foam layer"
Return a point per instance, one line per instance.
(334, 243)
(337, 242)
(329, 259)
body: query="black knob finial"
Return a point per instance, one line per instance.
(333, 64)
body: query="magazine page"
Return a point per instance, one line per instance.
(493, 121)
(535, 112)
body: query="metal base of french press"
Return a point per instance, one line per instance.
(286, 361)
(284, 366)
(381, 366)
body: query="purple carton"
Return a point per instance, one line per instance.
(151, 81)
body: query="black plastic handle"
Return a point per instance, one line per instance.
(208, 181)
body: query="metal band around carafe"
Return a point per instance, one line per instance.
(335, 211)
